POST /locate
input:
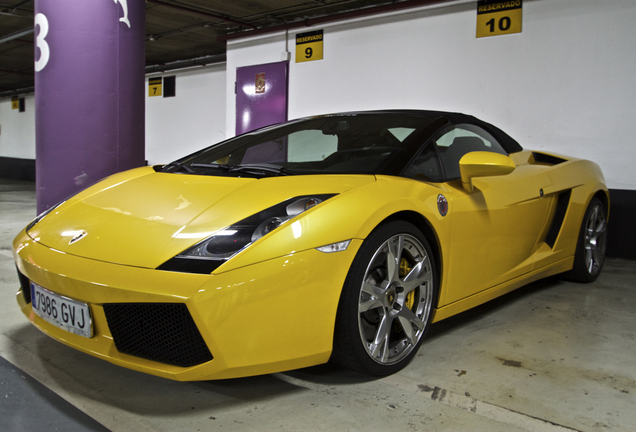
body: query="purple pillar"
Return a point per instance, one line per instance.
(89, 93)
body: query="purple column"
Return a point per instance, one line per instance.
(89, 93)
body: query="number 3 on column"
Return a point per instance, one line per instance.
(45, 52)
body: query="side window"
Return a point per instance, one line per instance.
(425, 166)
(311, 145)
(302, 146)
(462, 139)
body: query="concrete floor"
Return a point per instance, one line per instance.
(553, 356)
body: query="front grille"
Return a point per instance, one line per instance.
(163, 332)
(25, 284)
(559, 216)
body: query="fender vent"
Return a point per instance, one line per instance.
(559, 216)
(163, 332)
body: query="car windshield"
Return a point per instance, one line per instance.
(337, 144)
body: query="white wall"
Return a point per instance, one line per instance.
(175, 126)
(194, 119)
(567, 83)
(17, 129)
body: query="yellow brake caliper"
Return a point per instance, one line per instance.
(405, 268)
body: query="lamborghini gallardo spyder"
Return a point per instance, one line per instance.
(337, 237)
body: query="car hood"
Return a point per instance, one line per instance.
(143, 218)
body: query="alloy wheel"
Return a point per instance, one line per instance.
(395, 299)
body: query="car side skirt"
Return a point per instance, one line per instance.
(501, 289)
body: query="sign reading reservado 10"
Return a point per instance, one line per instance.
(498, 17)
(309, 46)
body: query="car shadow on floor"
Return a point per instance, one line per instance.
(439, 329)
(330, 374)
(82, 375)
(79, 373)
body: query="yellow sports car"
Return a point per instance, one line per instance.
(337, 237)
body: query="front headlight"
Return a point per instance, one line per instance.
(207, 255)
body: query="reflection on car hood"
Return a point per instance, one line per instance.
(147, 219)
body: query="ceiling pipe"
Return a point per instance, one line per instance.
(19, 92)
(16, 35)
(10, 71)
(182, 64)
(392, 7)
(199, 12)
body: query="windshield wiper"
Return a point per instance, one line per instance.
(261, 169)
(253, 169)
(214, 166)
(177, 166)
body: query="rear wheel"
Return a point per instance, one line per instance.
(591, 244)
(387, 300)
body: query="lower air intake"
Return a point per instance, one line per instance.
(163, 332)
(25, 284)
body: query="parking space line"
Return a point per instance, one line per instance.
(86, 399)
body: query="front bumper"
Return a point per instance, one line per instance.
(267, 317)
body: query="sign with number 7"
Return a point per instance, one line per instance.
(154, 86)
(498, 17)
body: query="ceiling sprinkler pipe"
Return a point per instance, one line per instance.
(392, 7)
(17, 35)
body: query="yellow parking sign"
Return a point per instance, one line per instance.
(498, 17)
(154, 87)
(309, 46)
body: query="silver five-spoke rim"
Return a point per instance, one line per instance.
(594, 240)
(395, 299)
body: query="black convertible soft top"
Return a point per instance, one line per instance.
(507, 142)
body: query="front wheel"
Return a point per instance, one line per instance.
(590, 247)
(387, 300)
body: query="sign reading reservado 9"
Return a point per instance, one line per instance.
(309, 46)
(498, 17)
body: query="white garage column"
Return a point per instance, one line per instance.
(89, 93)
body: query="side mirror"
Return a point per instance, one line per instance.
(483, 164)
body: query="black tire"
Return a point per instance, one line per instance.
(591, 244)
(388, 297)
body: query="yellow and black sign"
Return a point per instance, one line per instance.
(154, 86)
(496, 17)
(309, 46)
(15, 103)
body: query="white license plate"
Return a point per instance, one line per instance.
(62, 312)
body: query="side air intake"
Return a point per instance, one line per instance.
(559, 216)
(546, 159)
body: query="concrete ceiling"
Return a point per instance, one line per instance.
(179, 30)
